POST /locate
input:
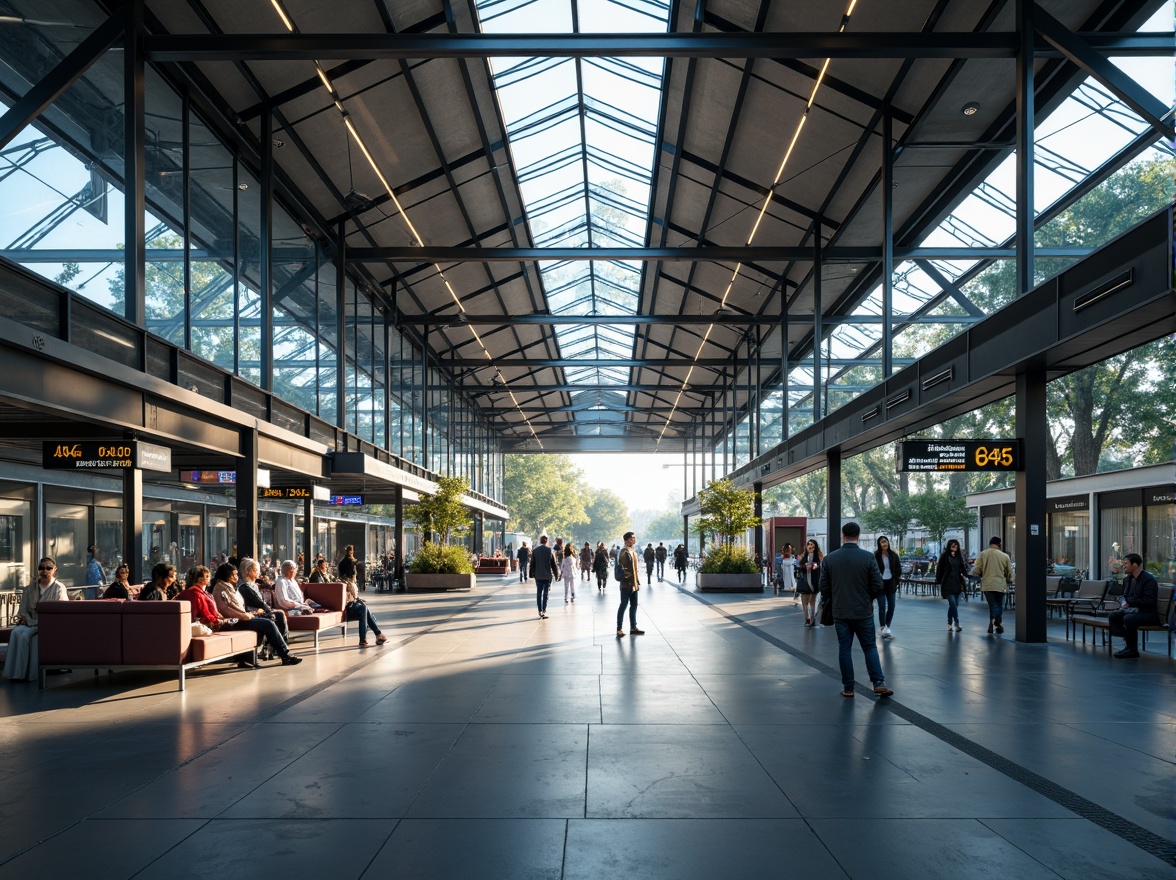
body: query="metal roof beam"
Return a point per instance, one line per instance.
(309, 47)
(745, 254)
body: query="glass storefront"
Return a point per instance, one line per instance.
(1161, 536)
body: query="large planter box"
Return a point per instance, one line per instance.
(439, 583)
(730, 583)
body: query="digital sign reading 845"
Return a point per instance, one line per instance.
(959, 455)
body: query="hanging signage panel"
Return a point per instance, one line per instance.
(959, 455)
(65, 455)
(346, 501)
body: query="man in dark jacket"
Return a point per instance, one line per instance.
(850, 582)
(630, 584)
(543, 569)
(1138, 605)
(524, 561)
(649, 555)
(660, 555)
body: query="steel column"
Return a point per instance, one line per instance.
(833, 499)
(818, 410)
(887, 245)
(341, 328)
(398, 536)
(132, 517)
(134, 138)
(308, 534)
(266, 245)
(1025, 147)
(246, 512)
(758, 490)
(186, 136)
(1031, 548)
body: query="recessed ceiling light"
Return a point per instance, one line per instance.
(970, 109)
(242, 186)
(278, 142)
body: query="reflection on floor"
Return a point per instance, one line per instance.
(483, 742)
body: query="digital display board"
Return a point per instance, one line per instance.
(104, 455)
(959, 455)
(217, 477)
(286, 492)
(346, 500)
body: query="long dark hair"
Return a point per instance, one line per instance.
(878, 549)
(816, 549)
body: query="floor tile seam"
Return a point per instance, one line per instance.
(1135, 834)
(380, 848)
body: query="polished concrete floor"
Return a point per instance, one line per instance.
(482, 742)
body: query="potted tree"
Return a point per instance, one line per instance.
(727, 512)
(438, 566)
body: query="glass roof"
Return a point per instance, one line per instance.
(582, 133)
(1086, 131)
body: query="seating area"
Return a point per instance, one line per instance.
(1097, 621)
(492, 565)
(115, 634)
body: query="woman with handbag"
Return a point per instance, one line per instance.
(808, 571)
(356, 609)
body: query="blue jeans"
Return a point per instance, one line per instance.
(953, 608)
(628, 597)
(995, 606)
(363, 616)
(886, 602)
(864, 629)
(541, 590)
(522, 572)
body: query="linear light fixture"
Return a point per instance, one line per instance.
(763, 210)
(417, 238)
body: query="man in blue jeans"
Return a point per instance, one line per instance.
(630, 584)
(851, 581)
(543, 569)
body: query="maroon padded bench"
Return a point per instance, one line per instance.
(116, 634)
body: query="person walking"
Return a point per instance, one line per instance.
(586, 558)
(524, 561)
(787, 573)
(995, 570)
(543, 569)
(807, 579)
(650, 556)
(891, 567)
(680, 560)
(630, 584)
(567, 570)
(950, 571)
(660, 554)
(600, 566)
(850, 582)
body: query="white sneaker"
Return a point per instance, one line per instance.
(949, 627)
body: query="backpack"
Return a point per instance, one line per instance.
(618, 573)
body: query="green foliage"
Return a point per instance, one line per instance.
(728, 559)
(665, 526)
(543, 493)
(607, 515)
(892, 520)
(800, 496)
(726, 511)
(940, 512)
(437, 559)
(444, 512)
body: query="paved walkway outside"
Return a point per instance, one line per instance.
(482, 742)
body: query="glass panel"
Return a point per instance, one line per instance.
(249, 277)
(294, 297)
(327, 352)
(1161, 542)
(1119, 533)
(66, 530)
(1069, 541)
(210, 245)
(165, 300)
(108, 535)
(15, 544)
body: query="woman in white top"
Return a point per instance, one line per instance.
(567, 570)
(21, 663)
(789, 565)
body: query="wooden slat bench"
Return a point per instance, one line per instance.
(1099, 621)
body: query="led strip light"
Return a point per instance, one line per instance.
(755, 228)
(418, 240)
